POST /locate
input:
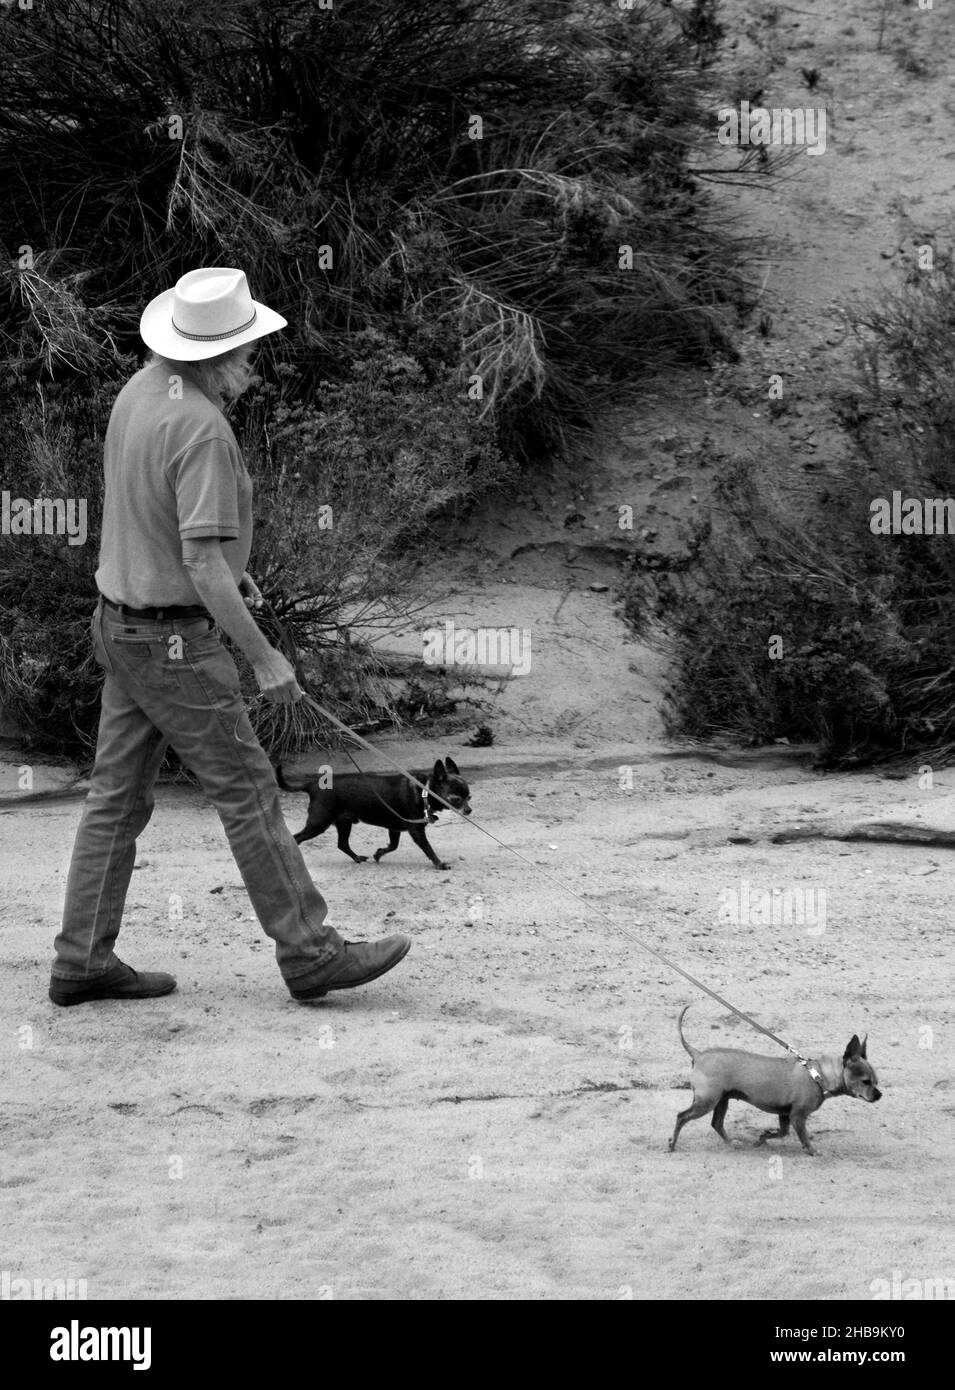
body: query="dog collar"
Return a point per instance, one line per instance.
(428, 818)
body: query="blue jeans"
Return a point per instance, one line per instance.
(173, 682)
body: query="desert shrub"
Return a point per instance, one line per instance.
(330, 153)
(343, 487)
(51, 444)
(450, 299)
(352, 491)
(867, 621)
(779, 635)
(702, 28)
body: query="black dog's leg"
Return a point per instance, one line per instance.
(310, 830)
(420, 838)
(344, 830)
(393, 837)
(319, 818)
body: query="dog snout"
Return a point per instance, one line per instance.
(876, 1094)
(466, 809)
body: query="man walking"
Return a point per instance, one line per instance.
(177, 533)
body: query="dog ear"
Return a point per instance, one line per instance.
(854, 1049)
(452, 767)
(864, 1041)
(438, 773)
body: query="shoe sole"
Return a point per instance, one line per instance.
(303, 996)
(94, 995)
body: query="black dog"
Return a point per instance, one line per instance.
(381, 798)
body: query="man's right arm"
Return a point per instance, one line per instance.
(213, 581)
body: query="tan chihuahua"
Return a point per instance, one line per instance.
(775, 1084)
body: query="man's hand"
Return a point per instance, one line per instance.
(276, 679)
(230, 605)
(251, 592)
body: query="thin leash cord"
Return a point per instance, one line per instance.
(308, 698)
(426, 790)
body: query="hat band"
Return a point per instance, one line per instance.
(214, 337)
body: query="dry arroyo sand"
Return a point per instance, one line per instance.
(491, 1120)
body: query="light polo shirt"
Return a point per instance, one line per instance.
(173, 472)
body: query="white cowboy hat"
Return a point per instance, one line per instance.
(209, 312)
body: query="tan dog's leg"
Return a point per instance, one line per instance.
(719, 1115)
(779, 1133)
(703, 1103)
(799, 1125)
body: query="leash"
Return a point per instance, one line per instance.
(644, 945)
(427, 819)
(427, 791)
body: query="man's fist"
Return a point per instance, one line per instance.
(251, 592)
(276, 679)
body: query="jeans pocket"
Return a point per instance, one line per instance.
(213, 667)
(206, 644)
(135, 648)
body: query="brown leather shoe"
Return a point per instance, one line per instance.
(359, 962)
(120, 982)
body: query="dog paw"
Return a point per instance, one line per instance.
(361, 858)
(442, 865)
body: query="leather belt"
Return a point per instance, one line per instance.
(158, 614)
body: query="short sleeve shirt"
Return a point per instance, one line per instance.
(173, 472)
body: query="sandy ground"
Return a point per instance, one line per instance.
(491, 1120)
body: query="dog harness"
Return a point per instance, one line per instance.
(429, 816)
(813, 1072)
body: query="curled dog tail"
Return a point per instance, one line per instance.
(679, 1028)
(286, 786)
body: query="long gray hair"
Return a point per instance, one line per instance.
(228, 374)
